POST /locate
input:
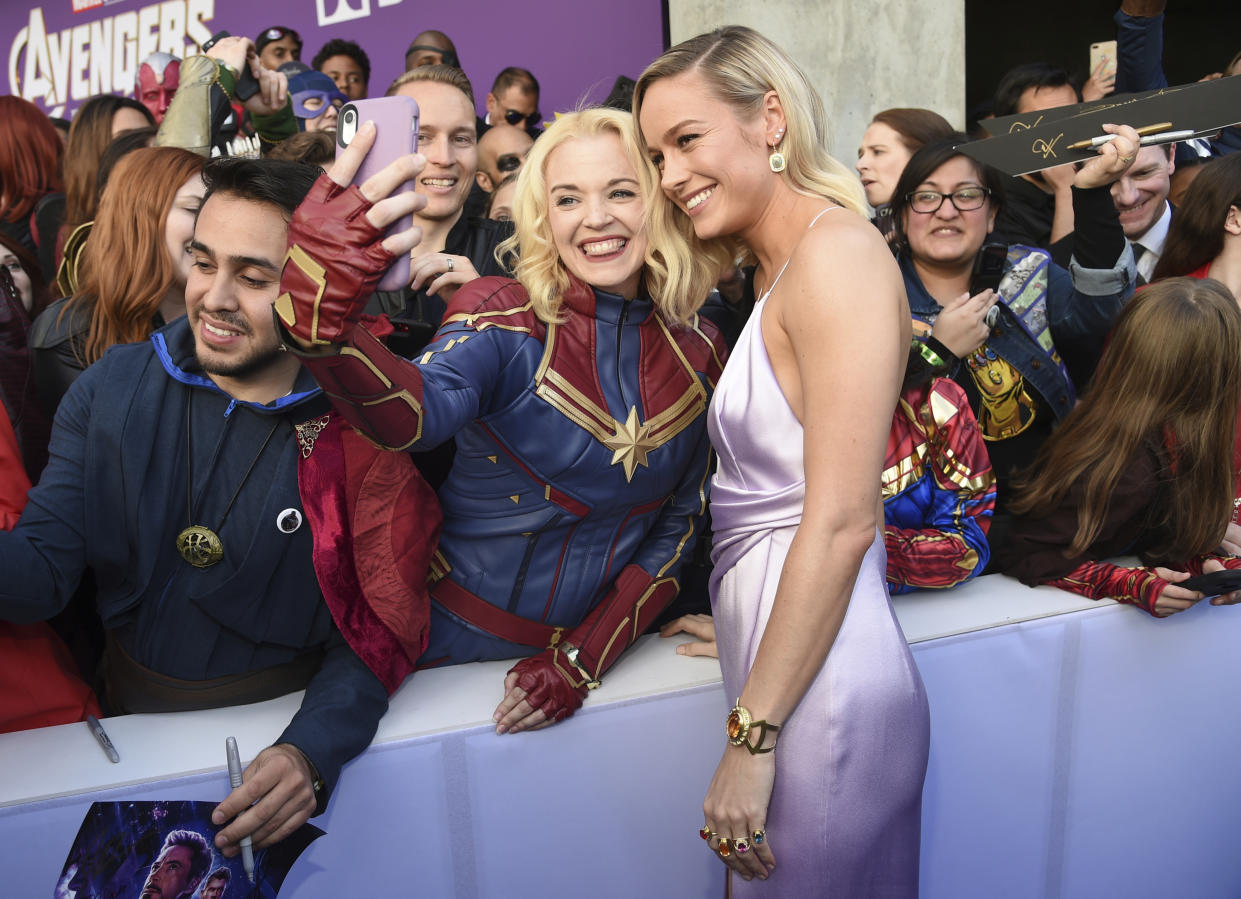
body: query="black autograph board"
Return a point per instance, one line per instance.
(1041, 140)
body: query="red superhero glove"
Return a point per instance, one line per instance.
(547, 686)
(334, 263)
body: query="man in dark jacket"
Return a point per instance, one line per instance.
(456, 247)
(176, 473)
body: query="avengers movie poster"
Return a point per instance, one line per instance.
(166, 850)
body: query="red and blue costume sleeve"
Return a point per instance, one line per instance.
(938, 488)
(1133, 586)
(1102, 580)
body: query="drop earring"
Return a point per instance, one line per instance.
(776, 160)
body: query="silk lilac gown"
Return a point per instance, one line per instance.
(845, 813)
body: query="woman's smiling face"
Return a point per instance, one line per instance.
(949, 236)
(595, 211)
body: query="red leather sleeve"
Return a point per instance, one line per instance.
(334, 262)
(376, 391)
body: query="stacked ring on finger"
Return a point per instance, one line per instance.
(742, 845)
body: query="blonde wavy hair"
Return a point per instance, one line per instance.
(680, 268)
(741, 66)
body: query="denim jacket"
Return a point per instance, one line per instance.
(1080, 306)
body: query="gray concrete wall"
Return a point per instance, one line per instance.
(863, 56)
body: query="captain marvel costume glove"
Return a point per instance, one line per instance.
(560, 683)
(1102, 580)
(334, 264)
(545, 681)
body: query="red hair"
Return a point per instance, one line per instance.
(125, 268)
(30, 157)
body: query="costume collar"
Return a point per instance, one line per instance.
(606, 307)
(174, 345)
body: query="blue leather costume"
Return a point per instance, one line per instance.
(581, 469)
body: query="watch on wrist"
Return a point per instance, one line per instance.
(571, 653)
(740, 726)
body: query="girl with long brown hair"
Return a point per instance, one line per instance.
(99, 120)
(133, 268)
(1143, 465)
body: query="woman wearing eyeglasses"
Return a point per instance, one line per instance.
(1005, 346)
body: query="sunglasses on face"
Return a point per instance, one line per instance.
(515, 118)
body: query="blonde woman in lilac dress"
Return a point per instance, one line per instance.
(819, 789)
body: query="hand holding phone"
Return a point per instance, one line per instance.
(1102, 79)
(343, 234)
(1103, 60)
(1214, 583)
(961, 325)
(396, 126)
(988, 268)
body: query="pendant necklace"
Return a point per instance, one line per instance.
(198, 544)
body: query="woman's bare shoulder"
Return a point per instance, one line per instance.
(843, 233)
(844, 256)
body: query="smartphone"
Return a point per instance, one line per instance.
(1103, 52)
(988, 268)
(1215, 583)
(396, 135)
(247, 85)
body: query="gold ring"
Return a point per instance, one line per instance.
(1126, 159)
(742, 845)
(759, 836)
(726, 848)
(706, 833)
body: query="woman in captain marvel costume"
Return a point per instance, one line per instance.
(576, 395)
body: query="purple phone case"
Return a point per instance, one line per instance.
(396, 135)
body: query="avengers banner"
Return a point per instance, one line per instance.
(60, 52)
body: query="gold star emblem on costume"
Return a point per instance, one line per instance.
(630, 443)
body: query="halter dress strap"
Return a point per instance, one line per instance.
(814, 221)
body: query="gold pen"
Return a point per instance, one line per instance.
(1092, 142)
